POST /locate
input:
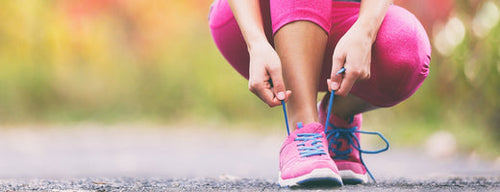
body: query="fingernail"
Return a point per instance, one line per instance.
(281, 96)
(335, 85)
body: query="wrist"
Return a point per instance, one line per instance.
(256, 43)
(367, 28)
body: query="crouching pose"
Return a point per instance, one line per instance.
(369, 53)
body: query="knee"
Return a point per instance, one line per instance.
(402, 39)
(220, 14)
(401, 55)
(227, 36)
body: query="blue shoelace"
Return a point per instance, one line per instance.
(333, 137)
(315, 138)
(314, 149)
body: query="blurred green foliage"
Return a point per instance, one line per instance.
(462, 92)
(114, 61)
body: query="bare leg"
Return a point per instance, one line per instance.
(301, 47)
(346, 107)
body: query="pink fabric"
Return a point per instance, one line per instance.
(286, 11)
(400, 54)
(353, 161)
(292, 165)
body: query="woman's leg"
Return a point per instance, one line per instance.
(300, 29)
(301, 47)
(301, 37)
(399, 65)
(346, 107)
(301, 33)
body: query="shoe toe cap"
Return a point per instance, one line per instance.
(356, 167)
(305, 166)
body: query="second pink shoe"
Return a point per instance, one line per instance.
(344, 144)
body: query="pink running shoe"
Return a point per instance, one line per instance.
(304, 160)
(344, 144)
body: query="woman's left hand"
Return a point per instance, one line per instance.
(353, 52)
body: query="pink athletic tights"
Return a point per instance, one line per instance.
(400, 54)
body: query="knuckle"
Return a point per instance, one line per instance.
(274, 68)
(279, 87)
(252, 86)
(271, 105)
(337, 56)
(276, 82)
(356, 72)
(367, 76)
(337, 59)
(342, 93)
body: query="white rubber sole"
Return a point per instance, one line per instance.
(349, 177)
(318, 176)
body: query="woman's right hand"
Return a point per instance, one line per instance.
(265, 66)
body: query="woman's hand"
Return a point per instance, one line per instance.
(353, 52)
(265, 66)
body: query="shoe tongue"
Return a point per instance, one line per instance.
(300, 125)
(309, 128)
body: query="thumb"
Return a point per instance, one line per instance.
(278, 84)
(335, 78)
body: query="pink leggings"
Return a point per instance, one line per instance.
(400, 54)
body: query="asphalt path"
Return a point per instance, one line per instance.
(195, 158)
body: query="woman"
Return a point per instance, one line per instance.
(289, 50)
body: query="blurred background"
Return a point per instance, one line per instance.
(153, 62)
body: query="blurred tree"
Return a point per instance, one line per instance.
(125, 60)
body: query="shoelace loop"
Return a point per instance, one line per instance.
(335, 135)
(315, 148)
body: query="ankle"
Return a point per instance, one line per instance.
(293, 121)
(342, 121)
(343, 117)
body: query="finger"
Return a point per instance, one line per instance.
(349, 79)
(278, 83)
(337, 65)
(262, 89)
(329, 83)
(267, 95)
(288, 93)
